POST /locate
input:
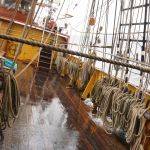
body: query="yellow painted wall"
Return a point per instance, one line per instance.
(28, 52)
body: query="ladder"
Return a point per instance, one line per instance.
(44, 60)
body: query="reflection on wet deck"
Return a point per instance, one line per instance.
(53, 118)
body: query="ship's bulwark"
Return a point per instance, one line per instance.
(53, 118)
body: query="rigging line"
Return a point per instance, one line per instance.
(148, 44)
(43, 33)
(113, 37)
(40, 13)
(147, 32)
(106, 28)
(27, 29)
(19, 47)
(139, 26)
(68, 6)
(51, 31)
(38, 44)
(73, 4)
(126, 18)
(128, 43)
(121, 17)
(98, 28)
(89, 27)
(95, 18)
(111, 2)
(26, 67)
(45, 23)
(104, 33)
(106, 10)
(34, 18)
(79, 22)
(101, 34)
(84, 27)
(120, 40)
(138, 29)
(32, 36)
(81, 31)
(143, 55)
(92, 8)
(143, 46)
(86, 35)
(116, 38)
(142, 77)
(129, 59)
(11, 21)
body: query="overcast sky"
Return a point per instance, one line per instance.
(79, 9)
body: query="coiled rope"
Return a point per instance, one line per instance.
(86, 71)
(10, 101)
(85, 74)
(73, 71)
(60, 63)
(119, 111)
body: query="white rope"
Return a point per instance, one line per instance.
(27, 66)
(23, 34)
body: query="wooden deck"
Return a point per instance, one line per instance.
(53, 118)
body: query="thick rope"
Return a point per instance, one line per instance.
(33, 43)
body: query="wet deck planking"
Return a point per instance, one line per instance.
(53, 118)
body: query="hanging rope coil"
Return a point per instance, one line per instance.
(85, 74)
(73, 71)
(98, 91)
(60, 63)
(10, 101)
(119, 111)
(86, 71)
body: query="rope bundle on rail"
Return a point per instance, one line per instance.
(119, 111)
(60, 63)
(85, 73)
(72, 67)
(73, 71)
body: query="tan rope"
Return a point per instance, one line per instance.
(33, 43)
(18, 51)
(119, 110)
